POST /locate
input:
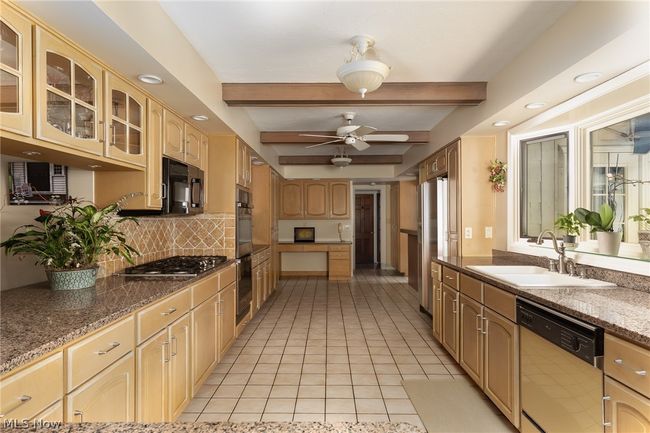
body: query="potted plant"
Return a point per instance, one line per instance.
(643, 219)
(571, 227)
(602, 223)
(70, 240)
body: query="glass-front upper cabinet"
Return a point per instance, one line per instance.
(68, 88)
(125, 115)
(15, 72)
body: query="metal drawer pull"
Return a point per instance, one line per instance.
(454, 309)
(165, 350)
(174, 345)
(172, 310)
(80, 414)
(643, 373)
(478, 323)
(485, 328)
(113, 345)
(605, 423)
(21, 400)
(448, 277)
(618, 361)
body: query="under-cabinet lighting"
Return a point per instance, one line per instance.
(94, 166)
(31, 153)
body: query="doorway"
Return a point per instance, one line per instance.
(366, 229)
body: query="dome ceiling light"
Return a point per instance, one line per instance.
(341, 159)
(360, 74)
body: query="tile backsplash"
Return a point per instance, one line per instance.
(158, 238)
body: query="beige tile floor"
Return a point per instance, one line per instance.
(327, 351)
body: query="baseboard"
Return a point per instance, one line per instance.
(298, 274)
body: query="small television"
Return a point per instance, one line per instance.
(304, 234)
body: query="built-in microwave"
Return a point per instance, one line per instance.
(182, 188)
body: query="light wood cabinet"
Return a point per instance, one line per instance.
(339, 262)
(227, 318)
(471, 339)
(155, 132)
(437, 164)
(16, 70)
(291, 196)
(450, 320)
(265, 200)
(180, 368)
(437, 310)
(152, 389)
(68, 95)
(193, 139)
(53, 413)
(126, 121)
(453, 194)
(243, 165)
(315, 199)
(628, 364)
(501, 370)
(107, 397)
(626, 411)
(174, 136)
(205, 350)
(339, 200)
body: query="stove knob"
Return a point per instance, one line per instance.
(575, 344)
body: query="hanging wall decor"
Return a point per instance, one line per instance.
(498, 175)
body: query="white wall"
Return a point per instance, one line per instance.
(326, 230)
(15, 271)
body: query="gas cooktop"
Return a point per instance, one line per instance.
(177, 266)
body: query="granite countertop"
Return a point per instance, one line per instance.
(621, 311)
(35, 320)
(227, 427)
(316, 242)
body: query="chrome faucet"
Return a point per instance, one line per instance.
(559, 249)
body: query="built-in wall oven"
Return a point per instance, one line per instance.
(561, 376)
(243, 250)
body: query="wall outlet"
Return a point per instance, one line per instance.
(488, 232)
(468, 233)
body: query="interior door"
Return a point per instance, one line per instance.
(364, 226)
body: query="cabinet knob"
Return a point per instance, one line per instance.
(172, 310)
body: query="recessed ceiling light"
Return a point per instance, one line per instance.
(535, 105)
(31, 153)
(200, 117)
(94, 166)
(587, 77)
(150, 79)
(501, 123)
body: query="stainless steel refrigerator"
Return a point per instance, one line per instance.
(432, 234)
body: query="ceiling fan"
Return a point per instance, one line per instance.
(356, 136)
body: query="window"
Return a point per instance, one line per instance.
(544, 182)
(38, 183)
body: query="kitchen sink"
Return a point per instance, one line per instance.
(535, 276)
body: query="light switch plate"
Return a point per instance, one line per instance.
(488, 232)
(468, 233)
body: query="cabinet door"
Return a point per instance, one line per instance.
(453, 199)
(16, 72)
(437, 311)
(155, 127)
(53, 413)
(125, 115)
(315, 199)
(227, 317)
(192, 146)
(274, 202)
(174, 136)
(68, 96)
(240, 164)
(152, 388)
(339, 199)
(450, 320)
(471, 338)
(626, 411)
(180, 382)
(205, 352)
(107, 397)
(501, 364)
(204, 153)
(291, 200)
(265, 280)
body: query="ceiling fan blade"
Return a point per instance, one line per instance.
(322, 144)
(360, 145)
(363, 130)
(319, 136)
(386, 137)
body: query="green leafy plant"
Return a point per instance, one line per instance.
(601, 221)
(570, 224)
(642, 218)
(72, 236)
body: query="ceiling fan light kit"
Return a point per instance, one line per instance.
(341, 161)
(359, 74)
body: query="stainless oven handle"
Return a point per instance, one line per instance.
(164, 190)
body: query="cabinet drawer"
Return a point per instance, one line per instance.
(156, 317)
(315, 248)
(471, 287)
(290, 248)
(27, 393)
(436, 271)
(339, 248)
(204, 289)
(628, 363)
(93, 354)
(500, 301)
(339, 268)
(450, 277)
(339, 255)
(227, 276)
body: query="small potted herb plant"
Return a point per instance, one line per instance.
(571, 227)
(643, 218)
(70, 240)
(602, 223)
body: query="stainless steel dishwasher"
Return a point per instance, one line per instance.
(561, 373)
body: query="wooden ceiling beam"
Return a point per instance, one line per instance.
(325, 159)
(294, 137)
(335, 94)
